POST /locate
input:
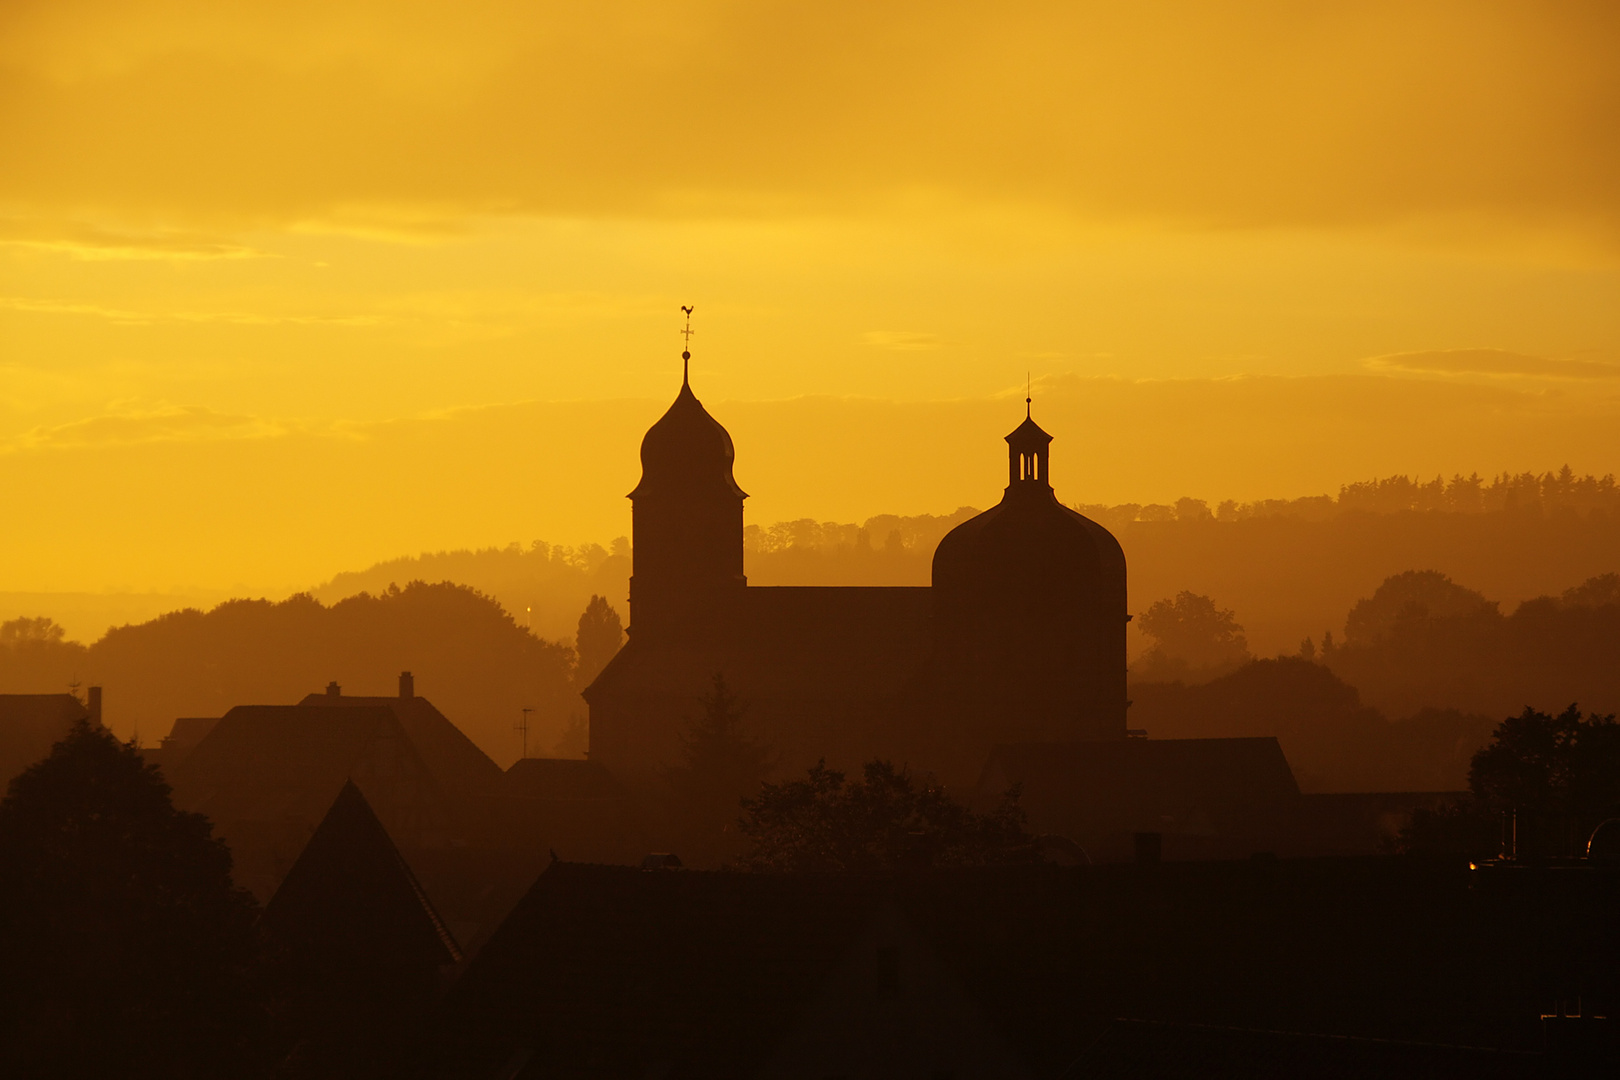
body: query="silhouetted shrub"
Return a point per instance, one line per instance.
(1540, 787)
(1560, 776)
(882, 821)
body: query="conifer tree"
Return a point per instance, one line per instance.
(720, 763)
(124, 947)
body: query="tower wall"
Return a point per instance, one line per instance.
(688, 561)
(687, 525)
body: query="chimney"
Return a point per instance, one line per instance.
(407, 685)
(93, 705)
(333, 689)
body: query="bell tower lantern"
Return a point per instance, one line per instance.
(1028, 448)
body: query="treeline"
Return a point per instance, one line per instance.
(1288, 566)
(1334, 741)
(885, 550)
(544, 586)
(468, 656)
(1440, 657)
(1543, 493)
(1422, 640)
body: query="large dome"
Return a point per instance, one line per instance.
(1030, 539)
(1030, 543)
(1030, 612)
(687, 452)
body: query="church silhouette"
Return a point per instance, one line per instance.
(1020, 639)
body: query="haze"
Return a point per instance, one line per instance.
(289, 288)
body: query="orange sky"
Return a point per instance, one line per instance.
(286, 288)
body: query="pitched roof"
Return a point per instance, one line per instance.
(352, 898)
(457, 764)
(188, 731)
(614, 969)
(283, 762)
(611, 971)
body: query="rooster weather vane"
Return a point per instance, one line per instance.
(686, 352)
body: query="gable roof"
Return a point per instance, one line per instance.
(281, 762)
(352, 898)
(457, 764)
(612, 970)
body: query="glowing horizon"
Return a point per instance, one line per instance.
(288, 289)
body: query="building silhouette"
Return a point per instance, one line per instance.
(1021, 637)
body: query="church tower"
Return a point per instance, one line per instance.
(1030, 614)
(687, 524)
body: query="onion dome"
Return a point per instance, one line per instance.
(687, 452)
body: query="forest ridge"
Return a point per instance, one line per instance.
(490, 633)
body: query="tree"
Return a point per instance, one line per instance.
(22, 631)
(124, 947)
(719, 764)
(1600, 591)
(1409, 597)
(1559, 776)
(599, 636)
(1191, 634)
(882, 821)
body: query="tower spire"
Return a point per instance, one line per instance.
(1029, 387)
(686, 352)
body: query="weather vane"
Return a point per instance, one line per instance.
(686, 352)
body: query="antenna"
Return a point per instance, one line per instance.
(686, 351)
(523, 726)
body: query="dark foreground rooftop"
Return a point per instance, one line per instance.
(1253, 968)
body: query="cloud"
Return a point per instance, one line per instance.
(191, 423)
(1493, 362)
(900, 340)
(83, 240)
(1250, 113)
(46, 306)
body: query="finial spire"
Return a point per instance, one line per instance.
(686, 353)
(1029, 388)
